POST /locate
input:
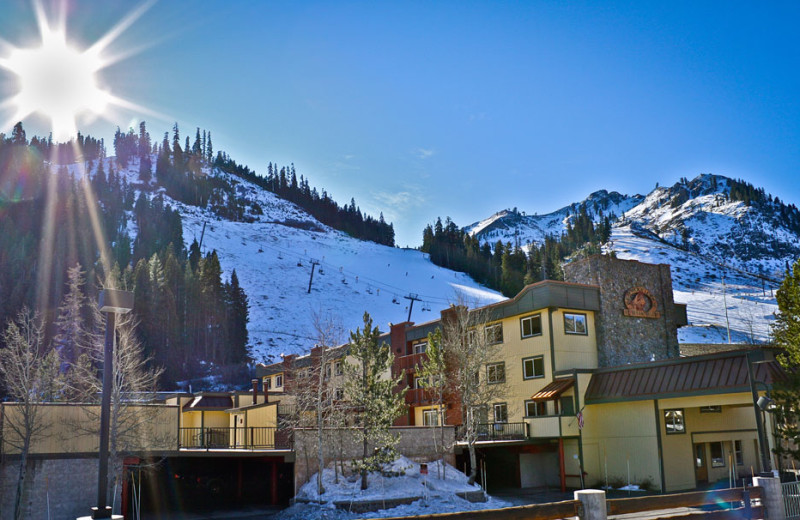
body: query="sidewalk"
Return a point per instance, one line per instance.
(238, 514)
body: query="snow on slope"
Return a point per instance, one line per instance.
(272, 257)
(515, 227)
(698, 283)
(696, 228)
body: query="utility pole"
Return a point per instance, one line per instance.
(414, 298)
(202, 235)
(725, 303)
(314, 263)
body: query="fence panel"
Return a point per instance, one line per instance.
(791, 499)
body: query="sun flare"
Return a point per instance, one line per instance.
(60, 82)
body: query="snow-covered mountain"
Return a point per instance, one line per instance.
(727, 247)
(273, 252)
(727, 242)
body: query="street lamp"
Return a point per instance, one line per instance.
(111, 302)
(760, 403)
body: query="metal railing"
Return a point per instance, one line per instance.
(791, 499)
(502, 431)
(254, 437)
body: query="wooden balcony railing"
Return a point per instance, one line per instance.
(418, 396)
(411, 361)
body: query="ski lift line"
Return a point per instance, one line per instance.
(353, 274)
(283, 333)
(346, 272)
(636, 232)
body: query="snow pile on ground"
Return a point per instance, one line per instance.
(400, 479)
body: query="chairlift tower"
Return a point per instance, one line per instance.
(414, 298)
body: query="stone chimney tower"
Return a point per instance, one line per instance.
(638, 320)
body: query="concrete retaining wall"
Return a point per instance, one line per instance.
(69, 484)
(416, 443)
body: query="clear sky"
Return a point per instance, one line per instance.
(426, 109)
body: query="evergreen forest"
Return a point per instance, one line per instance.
(191, 321)
(506, 267)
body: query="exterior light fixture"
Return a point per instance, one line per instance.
(111, 302)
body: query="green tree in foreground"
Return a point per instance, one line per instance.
(786, 336)
(370, 388)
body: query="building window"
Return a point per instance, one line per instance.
(673, 421)
(500, 413)
(421, 382)
(533, 367)
(711, 409)
(430, 418)
(419, 348)
(534, 409)
(338, 393)
(328, 370)
(567, 405)
(338, 368)
(575, 323)
(496, 373)
(494, 333)
(717, 456)
(737, 452)
(278, 380)
(531, 326)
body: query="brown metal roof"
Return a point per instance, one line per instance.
(693, 375)
(209, 402)
(553, 390)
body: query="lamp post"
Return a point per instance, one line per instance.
(111, 302)
(759, 404)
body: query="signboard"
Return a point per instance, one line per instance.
(640, 303)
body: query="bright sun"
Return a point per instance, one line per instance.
(60, 82)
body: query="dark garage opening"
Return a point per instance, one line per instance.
(199, 484)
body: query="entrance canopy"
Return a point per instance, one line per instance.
(553, 391)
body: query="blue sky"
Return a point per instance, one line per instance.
(426, 109)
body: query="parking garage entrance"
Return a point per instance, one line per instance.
(197, 484)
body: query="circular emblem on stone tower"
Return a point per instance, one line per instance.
(640, 303)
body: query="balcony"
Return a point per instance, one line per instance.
(411, 361)
(552, 426)
(502, 431)
(252, 438)
(418, 396)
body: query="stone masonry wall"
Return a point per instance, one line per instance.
(622, 338)
(70, 484)
(416, 443)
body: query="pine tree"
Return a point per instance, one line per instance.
(370, 389)
(786, 336)
(18, 136)
(73, 335)
(197, 147)
(239, 316)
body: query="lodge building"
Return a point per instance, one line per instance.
(594, 386)
(594, 391)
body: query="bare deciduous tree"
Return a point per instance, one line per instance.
(329, 334)
(433, 377)
(469, 347)
(31, 377)
(133, 421)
